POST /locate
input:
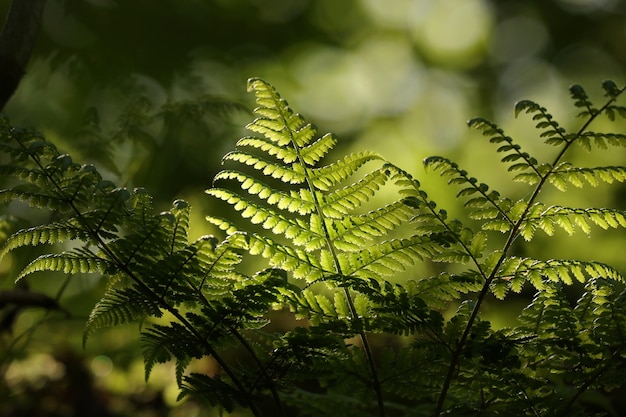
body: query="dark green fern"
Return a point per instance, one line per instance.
(368, 342)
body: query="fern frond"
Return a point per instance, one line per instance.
(71, 262)
(303, 264)
(180, 226)
(301, 203)
(211, 390)
(388, 257)
(554, 133)
(120, 306)
(325, 178)
(488, 204)
(578, 176)
(601, 140)
(45, 234)
(514, 272)
(520, 161)
(581, 100)
(279, 224)
(284, 173)
(568, 219)
(160, 343)
(343, 201)
(351, 232)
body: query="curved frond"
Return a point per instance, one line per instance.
(554, 134)
(51, 233)
(294, 202)
(578, 176)
(519, 161)
(514, 272)
(281, 172)
(76, 261)
(568, 219)
(488, 204)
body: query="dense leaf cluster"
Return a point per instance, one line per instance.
(332, 256)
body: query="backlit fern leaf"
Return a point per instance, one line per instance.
(45, 234)
(554, 134)
(519, 160)
(74, 261)
(514, 272)
(275, 170)
(327, 222)
(303, 264)
(548, 218)
(578, 176)
(485, 204)
(601, 140)
(347, 199)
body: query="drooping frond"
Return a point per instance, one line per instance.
(515, 272)
(484, 203)
(76, 261)
(515, 157)
(549, 218)
(555, 135)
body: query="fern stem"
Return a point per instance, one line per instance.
(507, 246)
(353, 312)
(123, 266)
(242, 340)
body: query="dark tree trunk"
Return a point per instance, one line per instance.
(16, 44)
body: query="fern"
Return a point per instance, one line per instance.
(368, 342)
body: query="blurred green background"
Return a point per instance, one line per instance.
(153, 93)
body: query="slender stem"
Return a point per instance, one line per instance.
(353, 312)
(507, 246)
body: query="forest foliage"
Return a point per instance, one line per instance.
(361, 341)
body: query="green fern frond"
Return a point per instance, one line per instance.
(120, 306)
(578, 176)
(180, 227)
(284, 173)
(568, 219)
(301, 203)
(519, 161)
(581, 100)
(45, 234)
(303, 264)
(345, 200)
(160, 343)
(210, 390)
(554, 133)
(601, 140)
(487, 204)
(388, 257)
(514, 272)
(69, 262)
(36, 198)
(325, 178)
(350, 232)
